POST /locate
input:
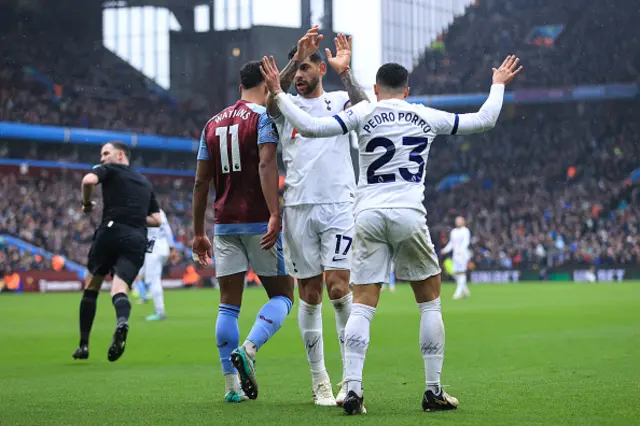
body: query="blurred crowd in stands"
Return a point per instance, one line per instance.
(600, 43)
(51, 78)
(42, 208)
(547, 187)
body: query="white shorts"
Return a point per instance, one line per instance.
(152, 268)
(393, 236)
(234, 253)
(318, 237)
(460, 264)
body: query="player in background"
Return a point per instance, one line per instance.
(238, 154)
(318, 200)
(391, 285)
(394, 138)
(161, 246)
(459, 242)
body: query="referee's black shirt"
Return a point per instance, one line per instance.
(127, 195)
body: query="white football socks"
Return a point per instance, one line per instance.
(342, 307)
(432, 342)
(157, 293)
(356, 338)
(310, 324)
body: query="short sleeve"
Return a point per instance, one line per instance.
(267, 132)
(352, 118)
(102, 171)
(344, 99)
(203, 151)
(442, 123)
(153, 205)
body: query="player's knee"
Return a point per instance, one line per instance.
(337, 284)
(120, 285)
(310, 289)
(427, 290)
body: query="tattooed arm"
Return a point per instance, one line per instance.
(356, 94)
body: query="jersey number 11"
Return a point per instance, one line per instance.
(223, 134)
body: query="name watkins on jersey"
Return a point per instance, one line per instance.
(391, 117)
(231, 113)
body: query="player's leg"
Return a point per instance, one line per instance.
(337, 243)
(302, 247)
(460, 275)
(269, 266)
(140, 288)
(231, 265)
(156, 290)
(416, 262)
(99, 263)
(371, 264)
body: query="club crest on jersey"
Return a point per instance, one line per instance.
(328, 103)
(294, 133)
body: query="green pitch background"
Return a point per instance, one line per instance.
(539, 353)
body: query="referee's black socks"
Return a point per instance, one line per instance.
(87, 314)
(123, 308)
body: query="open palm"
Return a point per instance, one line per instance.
(340, 62)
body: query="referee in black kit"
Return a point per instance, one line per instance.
(119, 243)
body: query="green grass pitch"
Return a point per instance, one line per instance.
(540, 353)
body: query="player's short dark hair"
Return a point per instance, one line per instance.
(120, 146)
(392, 76)
(250, 75)
(316, 58)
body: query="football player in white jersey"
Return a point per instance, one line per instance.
(459, 242)
(319, 191)
(394, 138)
(159, 247)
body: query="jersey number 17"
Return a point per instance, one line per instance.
(223, 134)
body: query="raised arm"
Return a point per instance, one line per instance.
(340, 63)
(307, 45)
(486, 118)
(306, 125)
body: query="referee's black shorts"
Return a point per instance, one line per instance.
(118, 249)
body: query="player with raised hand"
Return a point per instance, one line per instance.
(238, 154)
(390, 226)
(318, 200)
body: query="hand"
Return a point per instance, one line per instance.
(201, 247)
(88, 208)
(505, 74)
(271, 75)
(341, 61)
(308, 44)
(273, 231)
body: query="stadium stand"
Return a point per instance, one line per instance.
(586, 51)
(51, 78)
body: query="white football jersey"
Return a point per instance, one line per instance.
(161, 234)
(459, 241)
(319, 170)
(394, 139)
